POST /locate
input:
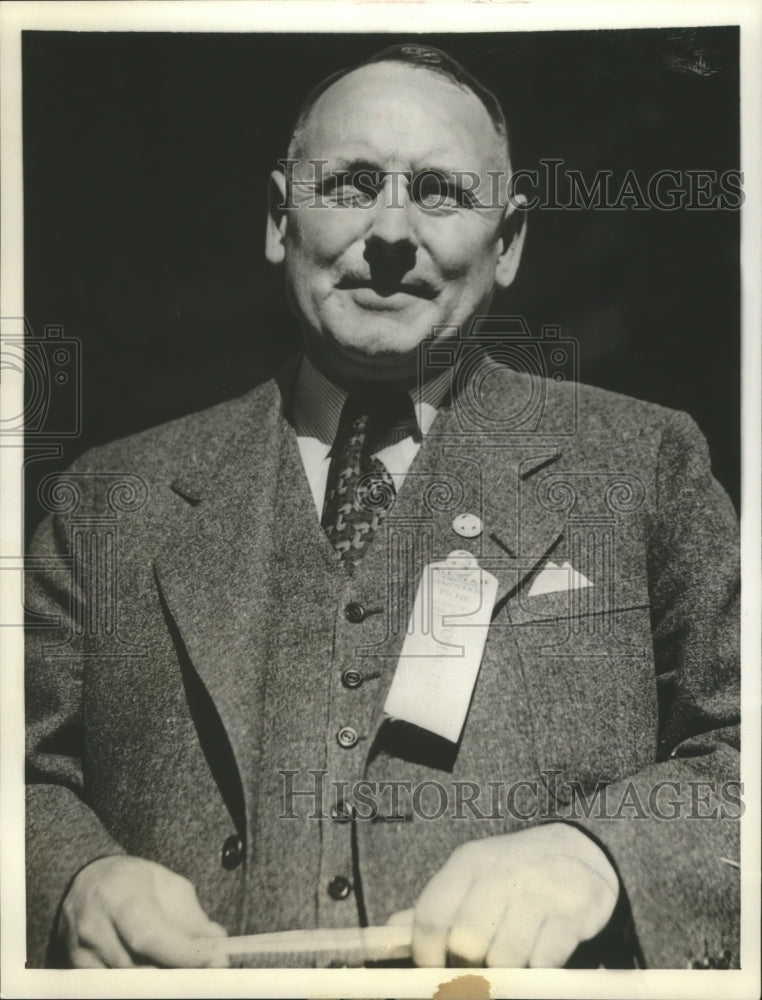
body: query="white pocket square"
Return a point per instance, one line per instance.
(553, 578)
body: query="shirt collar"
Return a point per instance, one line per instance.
(316, 402)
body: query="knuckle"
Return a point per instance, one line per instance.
(127, 912)
(89, 930)
(134, 926)
(138, 939)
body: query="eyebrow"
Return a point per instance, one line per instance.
(354, 165)
(351, 166)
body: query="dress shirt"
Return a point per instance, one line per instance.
(316, 406)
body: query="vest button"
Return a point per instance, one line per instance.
(351, 678)
(339, 887)
(232, 853)
(354, 612)
(347, 737)
(342, 812)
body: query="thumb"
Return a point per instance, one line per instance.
(177, 898)
(402, 918)
(194, 921)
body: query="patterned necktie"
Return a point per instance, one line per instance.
(360, 491)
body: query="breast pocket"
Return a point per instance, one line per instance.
(586, 663)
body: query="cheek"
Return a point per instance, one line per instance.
(463, 251)
(470, 275)
(322, 234)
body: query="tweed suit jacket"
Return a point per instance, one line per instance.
(187, 634)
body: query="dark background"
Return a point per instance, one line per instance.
(145, 166)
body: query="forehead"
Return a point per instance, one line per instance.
(393, 115)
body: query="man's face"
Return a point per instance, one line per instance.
(372, 275)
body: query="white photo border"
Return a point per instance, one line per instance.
(381, 16)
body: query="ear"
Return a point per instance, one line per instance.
(512, 235)
(275, 234)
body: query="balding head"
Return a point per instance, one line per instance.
(427, 59)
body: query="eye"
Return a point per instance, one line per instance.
(350, 190)
(433, 190)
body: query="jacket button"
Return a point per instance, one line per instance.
(351, 678)
(232, 853)
(339, 887)
(347, 737)
(354, 612)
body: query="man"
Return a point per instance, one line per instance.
(212, 729)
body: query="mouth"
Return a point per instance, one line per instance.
(390, 290)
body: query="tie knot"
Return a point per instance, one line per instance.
(382, 418)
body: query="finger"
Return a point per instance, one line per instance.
(101, 940)
(514, 939)
(595, 907)
(147, 934)
(402, 918)
(215, 930)
(193, 920)
(218, 958)
(83, 958)
(435, 910)
(477, 920)
(556, 942)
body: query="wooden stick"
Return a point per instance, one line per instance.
(353, 945)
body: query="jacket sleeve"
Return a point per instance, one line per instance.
(672, 829)
(63, 832)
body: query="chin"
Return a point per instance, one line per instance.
(383, 353)
(381, 340)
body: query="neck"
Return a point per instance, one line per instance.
(384, 380)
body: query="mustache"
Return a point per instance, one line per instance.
(388, 284)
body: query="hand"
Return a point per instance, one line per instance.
(516, 900)
(126, 911)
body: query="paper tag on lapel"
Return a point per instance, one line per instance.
(442, 652)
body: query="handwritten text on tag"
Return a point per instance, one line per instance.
(442, 652)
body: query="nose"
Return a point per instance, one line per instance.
(391, 238)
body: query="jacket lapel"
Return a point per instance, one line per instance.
(493, 477)
(211, 569)
(497, 478)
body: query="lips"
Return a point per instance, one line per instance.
(387, 289)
